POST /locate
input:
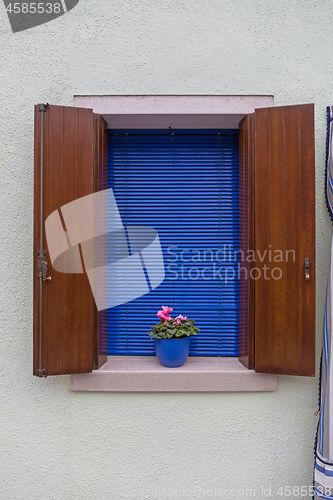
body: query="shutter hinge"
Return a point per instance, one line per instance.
(41, 373)
(42, 266)
(43, 107)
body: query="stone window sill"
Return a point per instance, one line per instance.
(198, 374)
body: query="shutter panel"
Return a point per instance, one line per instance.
(246, 240)
(284, 212)
(66, 338)
(101, 168)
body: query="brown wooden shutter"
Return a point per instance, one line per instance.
(101, 165)
(246, 240)
(68, 337)
(283, 211)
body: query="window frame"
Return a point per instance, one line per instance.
(137, 373)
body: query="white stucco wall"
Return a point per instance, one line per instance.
(61, 445)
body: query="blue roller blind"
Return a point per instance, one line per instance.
(183, 183)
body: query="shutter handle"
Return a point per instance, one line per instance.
(307, 269)
(42, 266)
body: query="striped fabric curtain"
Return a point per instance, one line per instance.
(323, 473)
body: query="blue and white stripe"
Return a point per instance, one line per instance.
(323, 473)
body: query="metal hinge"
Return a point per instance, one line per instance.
(42, 266)
(41, 373)
(43, 107)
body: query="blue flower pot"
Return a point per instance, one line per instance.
(172, 352)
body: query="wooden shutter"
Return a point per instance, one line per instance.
(246, 240)
(283, 212)
(68, 337)
(101, 168)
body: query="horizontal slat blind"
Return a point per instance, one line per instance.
(184, 184)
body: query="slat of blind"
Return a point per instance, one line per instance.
(185, 185)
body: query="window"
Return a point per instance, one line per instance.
(184, 184)
(276, 207)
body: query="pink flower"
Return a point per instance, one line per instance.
(161, 315)
(179, 319)
(164, 314)
(166, 309)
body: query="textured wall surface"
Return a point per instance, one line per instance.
(61, 445)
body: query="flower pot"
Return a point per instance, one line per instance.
(172, 352)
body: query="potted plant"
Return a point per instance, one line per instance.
(172, 337)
